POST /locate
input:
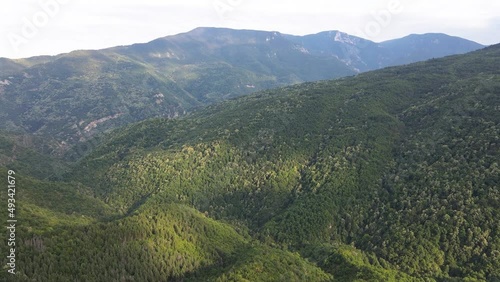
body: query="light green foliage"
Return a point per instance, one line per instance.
(388, 176)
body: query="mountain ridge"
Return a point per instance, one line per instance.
(78, 95)
(391, 175)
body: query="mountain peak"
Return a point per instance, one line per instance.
(343, 37)
(202, 66)
(434, 38)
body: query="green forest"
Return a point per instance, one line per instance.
(390, 175)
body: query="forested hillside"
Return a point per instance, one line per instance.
(391, 175)
(73, 97)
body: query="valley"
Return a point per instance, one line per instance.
(385, 175)
(63, 97)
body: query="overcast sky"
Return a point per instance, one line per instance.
(48, 27)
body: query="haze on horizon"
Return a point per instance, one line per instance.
(49, 27)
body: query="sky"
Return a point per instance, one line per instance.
(49, 27)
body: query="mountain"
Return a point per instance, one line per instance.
(261, 52)
(10, 67)
(72, 97)
(357, 53)
(391, 175)
(364, 55)
(415, 47)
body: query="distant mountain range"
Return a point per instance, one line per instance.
(364, 55)
(73, 96)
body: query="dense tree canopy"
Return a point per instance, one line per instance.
(392, 175)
